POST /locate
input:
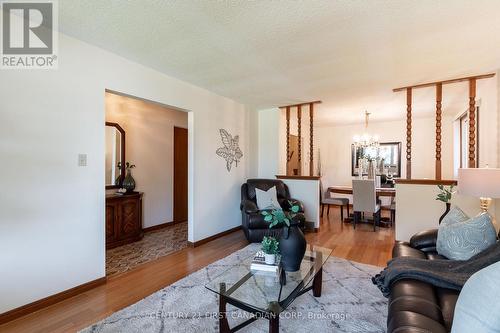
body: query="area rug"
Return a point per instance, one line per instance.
(153, 245)
(349, 303)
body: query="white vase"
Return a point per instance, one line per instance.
(270, 258)
(371, 170)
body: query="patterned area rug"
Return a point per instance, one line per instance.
(155, 244)
(349, 303)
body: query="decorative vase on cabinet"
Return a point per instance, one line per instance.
(129, 181)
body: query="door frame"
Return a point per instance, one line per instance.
(190, 166)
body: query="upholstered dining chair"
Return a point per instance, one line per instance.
(365, 200)
(327, 200)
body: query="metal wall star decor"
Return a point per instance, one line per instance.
(231, 151)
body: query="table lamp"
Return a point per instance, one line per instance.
(483, 183)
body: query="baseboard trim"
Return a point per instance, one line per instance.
(50, 300)
(211, 238)
(310, 226)
(162, 226)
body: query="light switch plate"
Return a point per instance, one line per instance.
(82, 160)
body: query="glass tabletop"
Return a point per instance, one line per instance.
(259, 289)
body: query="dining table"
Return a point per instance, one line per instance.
(380, 191)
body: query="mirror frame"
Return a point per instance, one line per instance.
(353, 156)
(122, 171)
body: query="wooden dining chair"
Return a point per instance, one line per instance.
(365, 200)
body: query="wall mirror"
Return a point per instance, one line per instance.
(115, 155)
(387, 159)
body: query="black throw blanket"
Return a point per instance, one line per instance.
(451, 274)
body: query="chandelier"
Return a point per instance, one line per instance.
(366, 140)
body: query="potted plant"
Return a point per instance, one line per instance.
(292, 243)
(270, 248)
(445, 194)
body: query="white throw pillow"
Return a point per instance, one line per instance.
(478, 309)
(267, 199)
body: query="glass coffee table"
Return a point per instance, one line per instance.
(265, 295)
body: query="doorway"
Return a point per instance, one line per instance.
(153, 168)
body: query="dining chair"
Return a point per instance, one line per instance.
(327, 200)
(365, 200)
(391, 206)
(393, 213)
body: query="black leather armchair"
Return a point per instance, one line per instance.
(253, 223)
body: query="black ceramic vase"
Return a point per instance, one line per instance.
(129, 182)
(292, 247)
(448, 205)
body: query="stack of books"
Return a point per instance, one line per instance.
(259, 265)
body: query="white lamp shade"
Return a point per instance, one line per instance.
(479, 182)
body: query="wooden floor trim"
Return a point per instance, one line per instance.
(211, 238)
(47, 301)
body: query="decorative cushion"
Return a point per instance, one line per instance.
(267, 199)
(459, 237)
(478, 308)
(454, 215)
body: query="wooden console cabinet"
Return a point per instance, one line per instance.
(123, 219)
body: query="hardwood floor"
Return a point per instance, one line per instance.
(362, 245)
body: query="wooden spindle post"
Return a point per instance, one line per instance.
(299, 133)
(408, 133)
(439, 97)
(311, 139)
(287, 138)
(472, 123)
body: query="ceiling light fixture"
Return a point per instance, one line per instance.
(366, 140)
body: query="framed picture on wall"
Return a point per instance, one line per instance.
(388, 152)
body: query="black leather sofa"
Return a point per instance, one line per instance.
(253, 224)
(416, 306)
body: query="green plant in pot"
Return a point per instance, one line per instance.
(270, 247)
(128, 181)
(445, 195)
(292, 243)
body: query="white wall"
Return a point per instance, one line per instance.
(52, 211)
(149, 135)
(252, 157)
(487, 100)
(335, 142)
(269, 143)
(307, 192)
(497, 143)
(417, 208)
(335, 146)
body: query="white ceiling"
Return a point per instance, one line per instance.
(350, 54)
